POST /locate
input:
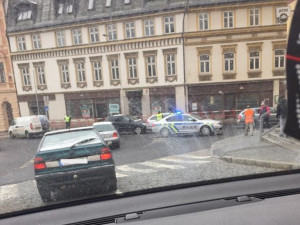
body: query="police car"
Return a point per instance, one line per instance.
(186, 124)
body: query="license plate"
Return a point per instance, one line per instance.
(66, 162)
(106, 136)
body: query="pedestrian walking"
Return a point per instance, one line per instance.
(68, 121)
(265, 113)
(249, 120)
(282, 111)
(159, 116)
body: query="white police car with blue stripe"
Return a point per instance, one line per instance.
(186, 124)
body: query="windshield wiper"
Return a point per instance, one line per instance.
(82, 142)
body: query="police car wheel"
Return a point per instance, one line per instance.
(205, 131)
(164, 132)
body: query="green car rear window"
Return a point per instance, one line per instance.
(67, 139)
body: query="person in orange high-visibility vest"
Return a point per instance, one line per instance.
(249, 120)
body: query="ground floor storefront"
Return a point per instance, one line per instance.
(143, 102)
(233, 97)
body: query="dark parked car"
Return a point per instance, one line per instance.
(125, 123)
(45, 123)
(77, 159)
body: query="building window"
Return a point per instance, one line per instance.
(24, 14)
(69, 8)
(112, 32)
(26, 76)
(114, 66)
(60, 8)
(80, 72)
(171, 64)
(203, 21)
(126, 2)
(228, 19)
(279, 59)
(2, 74)
(229, 62)
(108, 3)
(254, 17)
(149, 27)
(205, 63)
(65, 73)
(254, 60)
(91, 4)
(94, 34)
(129, 29)
(97, 71)
(36, 39)
(132, 67)
(41, 75)
(77, 40)
(151, 66)
(21, 43)
(60, 38)
(169, 25)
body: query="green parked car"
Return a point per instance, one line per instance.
(77, 159)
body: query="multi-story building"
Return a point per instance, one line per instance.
(90, 57)
(8, 97)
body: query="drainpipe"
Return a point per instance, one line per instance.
(183, 49)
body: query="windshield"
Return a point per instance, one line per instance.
(148, 67)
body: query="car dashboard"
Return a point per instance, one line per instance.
(261, 200)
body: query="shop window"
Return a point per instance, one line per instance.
(36, 107)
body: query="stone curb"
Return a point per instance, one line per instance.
(261, 163)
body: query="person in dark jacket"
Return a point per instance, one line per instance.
(282, 112)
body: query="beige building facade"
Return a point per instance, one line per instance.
(8, 98)
(93, 58)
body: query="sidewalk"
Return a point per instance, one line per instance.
(248, 150)
(3, 134)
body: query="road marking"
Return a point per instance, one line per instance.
(174, 160)
(160, 165)
(127, 168)
(27, 164)
(121, 175)
(194, 157)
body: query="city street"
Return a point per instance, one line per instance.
(16, 156)
(143, 162)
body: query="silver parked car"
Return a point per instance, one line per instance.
(272, 120)
(108, 132)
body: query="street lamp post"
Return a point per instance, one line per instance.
(36, 96)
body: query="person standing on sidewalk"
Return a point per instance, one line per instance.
(282, 114)
(249, 120)
(68, 121)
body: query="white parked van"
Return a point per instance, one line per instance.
(25, 127)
